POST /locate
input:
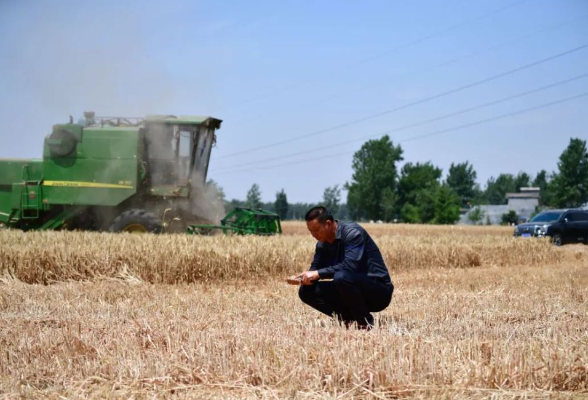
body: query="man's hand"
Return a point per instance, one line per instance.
(308, 277)
(305, 278)
(294, 279)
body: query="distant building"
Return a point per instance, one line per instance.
(524, 204)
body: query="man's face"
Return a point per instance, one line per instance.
(321, 232)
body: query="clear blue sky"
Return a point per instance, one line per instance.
(280, 70)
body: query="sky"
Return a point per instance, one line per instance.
(301, 85)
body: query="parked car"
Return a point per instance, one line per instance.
(563, 226)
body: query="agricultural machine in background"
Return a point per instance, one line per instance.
(244, 221)
(117, 174)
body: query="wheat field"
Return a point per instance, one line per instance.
(475, 314)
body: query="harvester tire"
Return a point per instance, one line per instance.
(137, 221)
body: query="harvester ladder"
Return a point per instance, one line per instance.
(31, 197)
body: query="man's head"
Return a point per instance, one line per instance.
(321, 224)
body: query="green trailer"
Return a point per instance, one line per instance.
(118, 174)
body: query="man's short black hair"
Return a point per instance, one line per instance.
(319, 213)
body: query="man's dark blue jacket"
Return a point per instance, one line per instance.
(353, 250)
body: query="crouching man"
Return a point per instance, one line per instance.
(345, 253)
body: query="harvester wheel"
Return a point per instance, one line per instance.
(137, 221)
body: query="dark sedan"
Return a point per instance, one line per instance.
(563, 226)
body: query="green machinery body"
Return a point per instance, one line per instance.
(244, 221)
(110, 173)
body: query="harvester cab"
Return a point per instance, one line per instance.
(111, 173)
(178, 150)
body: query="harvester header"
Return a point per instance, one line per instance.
(244, 221)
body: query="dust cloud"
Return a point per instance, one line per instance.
(207, 202)
(117, 61)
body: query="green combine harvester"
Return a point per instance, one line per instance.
(117, 174)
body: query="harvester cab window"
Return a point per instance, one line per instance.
(179, 153)
(161, 150)
(183, 150)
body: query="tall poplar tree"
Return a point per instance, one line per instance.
(374, 170)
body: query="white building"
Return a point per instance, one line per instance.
(523, 203)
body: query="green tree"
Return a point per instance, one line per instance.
(521, 180)
(343, 214)
(496, 189)
(510, 218)
(281, 204)
(254, 197)
(425, 202)
(332, 199)
(389, 198)
(410, 213)
(569, 186)
(354, 211)
(476, 215)
(374, 170)
(298, 210)
(542, 182)
(417, 187)
(446, 205)
(462, 179)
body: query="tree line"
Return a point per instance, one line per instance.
(417, 193)
(286, 210)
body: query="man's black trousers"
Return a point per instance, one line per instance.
(349, 296)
